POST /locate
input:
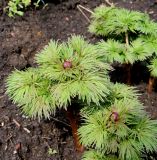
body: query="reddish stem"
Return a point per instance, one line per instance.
(73, 120)
(150, 85)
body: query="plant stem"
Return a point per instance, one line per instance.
(150, 85)
(126, 39)
(73, 120)
(128, 65)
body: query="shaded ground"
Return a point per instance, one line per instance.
(20, 39)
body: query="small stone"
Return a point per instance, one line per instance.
(67, 18)
(2, 124)
(151, 12)
(24, 116)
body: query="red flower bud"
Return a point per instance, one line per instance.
(67, 64)
(115, 116)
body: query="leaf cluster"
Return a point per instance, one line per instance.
(16, 7)
(117, 92)
(153, 67)
(31, 92)
(108, 21)
(115, 51)
(151, 44)
(124, 139)
(96, 155)
(39, 91)
(131, 35)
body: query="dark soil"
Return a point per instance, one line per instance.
(20, 39)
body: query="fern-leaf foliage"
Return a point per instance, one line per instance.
(130, 35)
(96, 155)
(111, 20)
(150, 41)
(66, 71)
(118, 92)
(31, 92)
(82, 55)
(153, 67)
(115, 51)
(121, 129)
(86, 78)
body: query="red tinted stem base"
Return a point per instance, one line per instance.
(150, 85)
(73, 120)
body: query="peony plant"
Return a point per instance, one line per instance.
(129, 36)
(68, 75)
(119, 130)
(73, 76)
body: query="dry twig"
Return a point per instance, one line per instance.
(57, 120)
(109, 3)
(81, 8)
(19, 125)
(26, 129)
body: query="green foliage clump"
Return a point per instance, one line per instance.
(115, 126)
(153, 67)
(66, 72)
(118, 52)
(107, 21)
(95, 155)
(111, 20)
(31, 92)
(117, 92)
(16, 7)
(119, 131)
(131, 35)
